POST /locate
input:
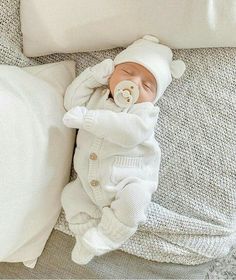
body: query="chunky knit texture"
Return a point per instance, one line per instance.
(192, 216)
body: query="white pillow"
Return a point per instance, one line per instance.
(36, 154)
(88, 25)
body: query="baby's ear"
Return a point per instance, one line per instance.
(177, 68)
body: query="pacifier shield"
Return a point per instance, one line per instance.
(126, 93)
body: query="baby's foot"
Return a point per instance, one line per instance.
(80, 254)
(96, 242)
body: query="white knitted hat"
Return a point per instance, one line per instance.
(154, 57)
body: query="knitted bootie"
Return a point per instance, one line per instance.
(109, 234)
(96, 242)
(80, 254)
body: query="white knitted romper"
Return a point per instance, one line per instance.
(117, 161)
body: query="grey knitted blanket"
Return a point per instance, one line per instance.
(192, 217)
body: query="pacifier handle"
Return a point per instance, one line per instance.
(127, 95)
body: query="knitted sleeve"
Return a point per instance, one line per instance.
(80, 90)
(126, 129)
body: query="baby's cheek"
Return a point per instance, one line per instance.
(145, 97)
(111, 86)
(141, 99)
(114, 80)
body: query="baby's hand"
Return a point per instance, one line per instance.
(103, 70)
(74, 118)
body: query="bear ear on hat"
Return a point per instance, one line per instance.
(151, 38)
(177, 68)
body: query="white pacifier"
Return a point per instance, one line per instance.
(126, 93)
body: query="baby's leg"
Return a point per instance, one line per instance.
(131, 202)
(78, 206)
(81, 214)
(120, 221)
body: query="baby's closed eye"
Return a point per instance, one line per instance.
(147, 85)
(126, 71)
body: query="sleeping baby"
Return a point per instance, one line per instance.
(117, 157)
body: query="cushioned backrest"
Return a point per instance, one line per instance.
(85, 25)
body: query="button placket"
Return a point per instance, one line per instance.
(93, 172)
(94, 183)
(93, 156)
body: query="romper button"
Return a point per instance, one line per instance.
(94, 183)
(93, 156)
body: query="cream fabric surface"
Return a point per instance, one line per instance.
(88, 25)
(36, 153)
(196, 131)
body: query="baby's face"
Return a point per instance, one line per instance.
(138, 74)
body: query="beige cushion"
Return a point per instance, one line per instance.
(36, 154)
(87, 25)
